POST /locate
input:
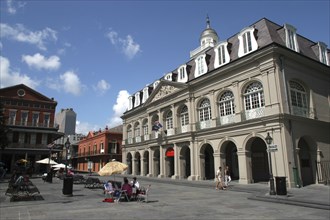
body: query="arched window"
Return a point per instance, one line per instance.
(205, 110)
(184, 117)
(169, 120)
(129, 134)
(254, 96)
(226, 104)
(145, 127)
(298, 99)
(137, 132)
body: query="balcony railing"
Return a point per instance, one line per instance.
(223, 120)
(32, 124)
(253, 113)
(303, 112)
(203, 124)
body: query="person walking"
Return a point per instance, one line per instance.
(227, 176)
(219, 184)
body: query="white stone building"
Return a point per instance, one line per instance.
(217, 109)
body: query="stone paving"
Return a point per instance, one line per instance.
(170, 199)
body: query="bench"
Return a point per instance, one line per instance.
(93, 182)
(22, 188)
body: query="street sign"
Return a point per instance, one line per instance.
(272, 147)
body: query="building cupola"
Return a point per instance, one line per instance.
(209, 37)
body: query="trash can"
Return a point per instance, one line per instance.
(67, 185)
(281, 185)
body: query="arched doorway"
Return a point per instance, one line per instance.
(232, 159)
(259, 161)
(129, 163)
(137, 164)
(169, 161)
(185, 162)
(307, 169)
(145, 163)
(207, 162)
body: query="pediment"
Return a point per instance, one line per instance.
(164, 89)
(22, 91)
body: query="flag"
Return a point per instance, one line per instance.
(157, 126)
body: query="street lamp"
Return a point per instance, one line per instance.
(67, 180)
(269, 141)
(67, 146)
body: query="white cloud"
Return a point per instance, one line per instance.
(102, 86)
(85, 127)
(21, 34)
(71, 83)
(39, 62)
(12, 7)
(127, 45)
(119, 108)
(9, 77)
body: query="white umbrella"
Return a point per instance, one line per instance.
(60, 165)
(46, 161)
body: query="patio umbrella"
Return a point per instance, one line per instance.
(46, 161)
(113, 167)
(60, 165)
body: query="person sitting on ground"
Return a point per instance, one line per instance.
(135, 187)
(127, 187)
(108, 189)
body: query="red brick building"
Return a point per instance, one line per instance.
(30, 120)
(98, 148)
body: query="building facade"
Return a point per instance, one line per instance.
(66, 120)
(218, 108)
(98, 148)
(32, 129)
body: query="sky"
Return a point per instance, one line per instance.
(90, 55)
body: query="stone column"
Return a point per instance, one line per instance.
(151, 163)
(177, 165)
(161, 162)
(245, 167)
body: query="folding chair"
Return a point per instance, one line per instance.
(143, 196)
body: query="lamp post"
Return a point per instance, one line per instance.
(67, 145)
(269, 141)
(67, 180)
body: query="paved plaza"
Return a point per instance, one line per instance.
(170, 199)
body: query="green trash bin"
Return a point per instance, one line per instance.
(67, 185)
(281, 185)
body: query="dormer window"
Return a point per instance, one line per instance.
(156, 84)
(247, 42)
(182, 74)
(201, 67)
(221, 55)
(291, 37)
(145, 94)
(137, 99)
(130, 102)
(168, 77)
(323, 55)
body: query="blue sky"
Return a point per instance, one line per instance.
(91, 55)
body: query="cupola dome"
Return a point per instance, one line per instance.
(209, 35)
